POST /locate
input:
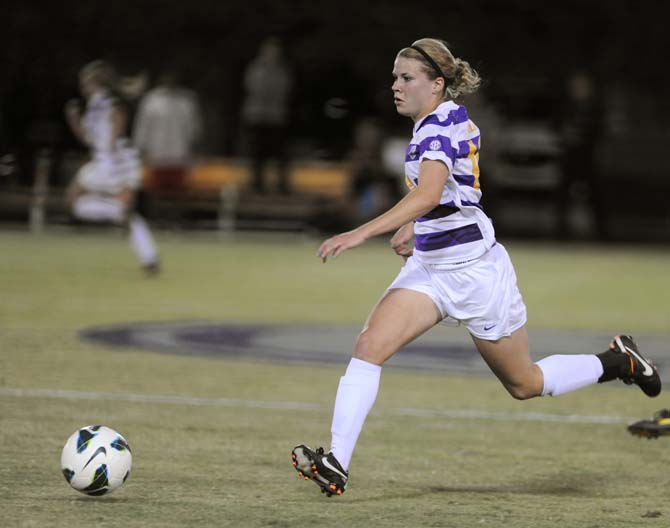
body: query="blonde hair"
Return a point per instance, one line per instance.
(102, 73)
(459, 77)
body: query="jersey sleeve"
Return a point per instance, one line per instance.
(435, 143)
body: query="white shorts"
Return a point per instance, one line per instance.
(111, 175)
(481, 294)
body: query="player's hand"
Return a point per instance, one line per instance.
(403, 241)
(338, 244)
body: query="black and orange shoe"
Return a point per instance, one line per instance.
(638, 369)
(659, 425)
(321, 468)
(624, 361)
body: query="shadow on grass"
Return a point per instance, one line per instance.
(97, 501)
(576, 485)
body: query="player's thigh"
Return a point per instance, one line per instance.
(509, 359)
(399, 317)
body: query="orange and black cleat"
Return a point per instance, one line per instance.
(322, 468)
(636, 368)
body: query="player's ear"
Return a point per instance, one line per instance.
(438, 85)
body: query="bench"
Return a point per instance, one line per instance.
(216, 194)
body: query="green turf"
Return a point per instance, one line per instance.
(227, 464)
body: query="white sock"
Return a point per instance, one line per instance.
(356, 394)
(98, 209)
(566, 373)
(141, 240)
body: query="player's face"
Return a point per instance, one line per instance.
(87, 85)
(414, 94)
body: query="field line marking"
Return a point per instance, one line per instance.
(476, 414)
(156, 398)
(457, 414)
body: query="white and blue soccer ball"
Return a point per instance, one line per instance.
(96, 460)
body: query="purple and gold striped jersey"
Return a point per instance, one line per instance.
(457, 230)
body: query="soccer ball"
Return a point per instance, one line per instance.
(96, 460)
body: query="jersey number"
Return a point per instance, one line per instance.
(473, 156)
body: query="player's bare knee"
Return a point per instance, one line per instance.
(370, 348)
(523, 384)
(521, 392)
(523, 389)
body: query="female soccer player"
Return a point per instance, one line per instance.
(456, 271)
(103, 190)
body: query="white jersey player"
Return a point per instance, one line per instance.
(454, 269)
(104, 189)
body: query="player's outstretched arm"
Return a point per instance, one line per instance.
(73, 116)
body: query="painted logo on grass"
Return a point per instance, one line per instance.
(281, 343)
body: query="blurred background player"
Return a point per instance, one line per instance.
(167, 127)
(455, 270)
(265, 113)
(104, 189)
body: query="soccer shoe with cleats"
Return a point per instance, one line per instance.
(152, 269)
(638, 369)
(659, 425)
(321, 468)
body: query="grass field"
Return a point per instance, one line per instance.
(438, 450)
